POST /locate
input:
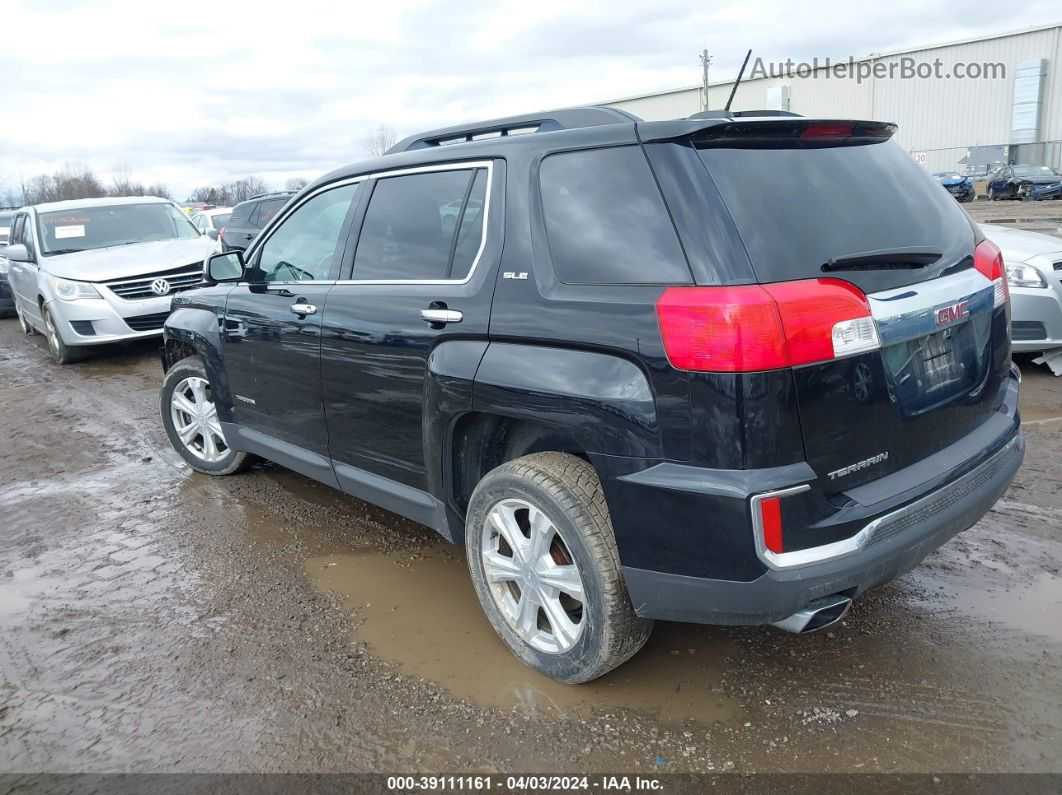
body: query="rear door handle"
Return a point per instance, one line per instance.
(441, 315)
(302, 308)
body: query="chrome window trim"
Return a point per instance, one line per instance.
(256, 245)
(846, 546)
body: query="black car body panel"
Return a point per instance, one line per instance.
(538, 351)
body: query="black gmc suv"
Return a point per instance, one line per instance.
(732, 370)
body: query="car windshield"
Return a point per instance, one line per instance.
(948, 175)
(220, 219)
(86, 228)
(1033, 171)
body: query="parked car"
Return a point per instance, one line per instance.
(637, 380)
(962, 188)
(7, 302)
(1024, 182)
(249, 218)
(211, 222)
(1034, 271)
(94, 271)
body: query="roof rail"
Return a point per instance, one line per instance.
(269, 193)
(547, 121)
(738, 114)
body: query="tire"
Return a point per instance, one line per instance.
(563, 493)
(60, 351)
(205, 452)
(24, 324)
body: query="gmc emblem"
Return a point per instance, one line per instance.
(950, 314)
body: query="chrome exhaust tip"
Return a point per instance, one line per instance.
(819, 614)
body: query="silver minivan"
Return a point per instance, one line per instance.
(94, 271)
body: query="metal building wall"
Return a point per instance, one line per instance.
(941, 117)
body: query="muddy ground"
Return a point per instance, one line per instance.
(153, 619)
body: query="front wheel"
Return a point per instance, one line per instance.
(191, 421)
(545, 567)
(61, 352)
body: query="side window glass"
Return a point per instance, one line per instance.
(303, 246)
(606, 222)
(16, 229)
(267, 210)
(410, 226)
(470, 233)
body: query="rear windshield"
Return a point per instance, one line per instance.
(99, 227)
(797, 209)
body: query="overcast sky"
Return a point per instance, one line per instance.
(192, 93)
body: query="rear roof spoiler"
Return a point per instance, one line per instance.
(767, 131)
(546, 121)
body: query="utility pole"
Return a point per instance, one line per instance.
(706, 60)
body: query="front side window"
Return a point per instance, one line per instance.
(303, 246)
(421, 227)
(606, 222)
(87, 228)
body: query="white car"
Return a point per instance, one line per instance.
(1034, 275)
(210, 222)
(94, 271)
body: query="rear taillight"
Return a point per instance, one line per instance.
(768, 327)
(988, 259)
(221, 234)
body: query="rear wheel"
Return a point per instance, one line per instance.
(24, 324)
(191, 421)
(544, 564)
(61, 352)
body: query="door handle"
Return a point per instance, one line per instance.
(302, 308)
(441, 315)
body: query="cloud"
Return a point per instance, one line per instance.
(204, 94)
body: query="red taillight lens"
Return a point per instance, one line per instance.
(827, 131)
(988, 259)
(771, 521)
(748, 328)
(221, 234)
(721, 329)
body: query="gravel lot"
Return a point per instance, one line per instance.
(158, 620)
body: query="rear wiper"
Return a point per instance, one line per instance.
(884, 259)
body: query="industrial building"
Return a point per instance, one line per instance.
(966, 105)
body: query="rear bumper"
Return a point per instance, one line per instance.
(901, 539)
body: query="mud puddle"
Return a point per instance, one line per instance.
(1033, 609)
(424, 616)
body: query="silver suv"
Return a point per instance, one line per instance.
(94, 271)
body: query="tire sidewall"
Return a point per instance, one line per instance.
(61, 353)
(569, 665)
(189, 368)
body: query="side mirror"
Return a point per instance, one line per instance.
(18, 253)
(226, 267)
(212, 234)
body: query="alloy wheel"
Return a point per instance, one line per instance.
(195, 419)
(532, 576)
(51, 334)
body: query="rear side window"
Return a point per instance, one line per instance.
(268, 209)
(799, 208)
(606, 222)
(422, 226)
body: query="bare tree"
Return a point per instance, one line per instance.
(380, 140)
(230, 193)
(69, 182)
(296, 183)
